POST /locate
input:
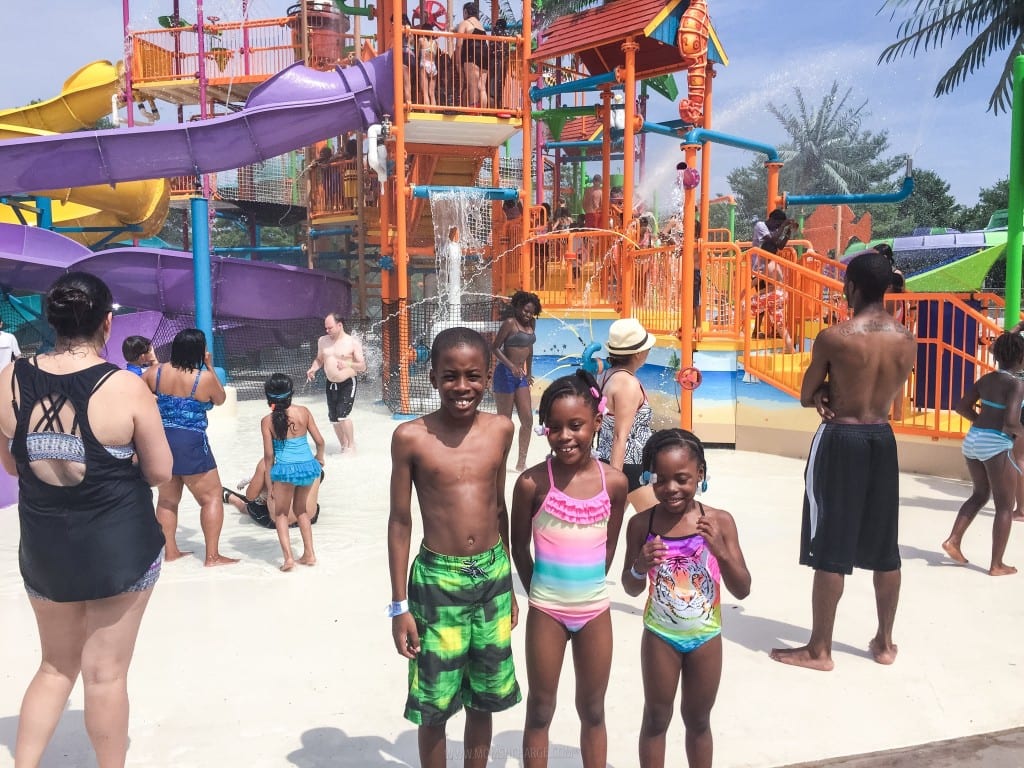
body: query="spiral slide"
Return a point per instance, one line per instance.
(84, 98)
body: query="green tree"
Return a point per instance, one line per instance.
(930, 205)
(990, 200)
(829, 152)
(992, 25)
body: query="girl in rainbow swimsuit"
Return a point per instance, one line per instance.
(685, 550)
(571, 507)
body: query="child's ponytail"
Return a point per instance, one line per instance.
(278, 389)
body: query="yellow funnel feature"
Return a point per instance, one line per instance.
(83, 100)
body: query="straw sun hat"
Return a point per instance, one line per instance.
(628, 337)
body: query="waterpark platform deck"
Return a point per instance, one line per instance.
(247, 666)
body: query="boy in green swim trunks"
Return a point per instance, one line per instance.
(455, 620)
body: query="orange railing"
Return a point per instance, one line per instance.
(782, 316)
(236, 51)
(435, 65)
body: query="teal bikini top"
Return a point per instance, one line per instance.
(990, 404)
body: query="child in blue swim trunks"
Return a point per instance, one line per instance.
(293, 467)
(685, 549)
(988, 449)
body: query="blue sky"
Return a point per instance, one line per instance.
(772, 48)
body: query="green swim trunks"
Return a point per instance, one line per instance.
(463, 612)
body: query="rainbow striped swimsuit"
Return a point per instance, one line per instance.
(570, 542)
(684, 598)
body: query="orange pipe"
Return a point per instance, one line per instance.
(629, 47)
(773, 185)
(705, 157)
(524, 61)
(686, 290)
(606, 156)
(401, 213)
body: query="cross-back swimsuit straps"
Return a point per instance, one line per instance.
(91, 540)
(684, 599)
(570, 541)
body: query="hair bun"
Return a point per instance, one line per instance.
(69, 300)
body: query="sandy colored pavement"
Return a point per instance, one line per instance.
(248, 667)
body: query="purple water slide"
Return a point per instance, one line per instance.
(295, 108)
(151, 279)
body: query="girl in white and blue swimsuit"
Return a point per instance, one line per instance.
(988, 449)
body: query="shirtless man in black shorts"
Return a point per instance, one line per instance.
(341, 357)
(851, 503)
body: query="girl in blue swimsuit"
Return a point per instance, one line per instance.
(685, 550)
(513, 372)
(988, 449)
(293, 467)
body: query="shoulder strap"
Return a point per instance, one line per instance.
(604, 486)
(103, 379)
(551, 477)
(159, 370)
(14, 398)
(609, 376)
(195, 384)
(650, 523)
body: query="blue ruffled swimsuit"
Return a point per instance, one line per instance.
(294, 462)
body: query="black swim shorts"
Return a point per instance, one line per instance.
(341, 396)
(851, 500)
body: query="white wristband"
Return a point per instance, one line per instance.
(398, 608)
(635, 574)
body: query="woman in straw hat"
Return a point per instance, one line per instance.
(627, 422)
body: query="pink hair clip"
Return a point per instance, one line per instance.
(541, 430)
(602, 402)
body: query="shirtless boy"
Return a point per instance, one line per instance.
(851, 502)
(341, 357)
(454, 623)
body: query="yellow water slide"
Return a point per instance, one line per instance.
(83, 100)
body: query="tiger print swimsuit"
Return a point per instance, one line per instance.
(684, 598)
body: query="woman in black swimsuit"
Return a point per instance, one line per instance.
(474, 56)
(513, 374)
(86, 444)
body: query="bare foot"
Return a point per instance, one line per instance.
(801, 657)
(880, 653)
(1018, 516)
(176, 555)
(288, 565)
(214, 560)
(307, 560)
(1002, 570)
(954, 552)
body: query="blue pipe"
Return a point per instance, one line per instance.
(573, 144)
(45, 215)
(201, 268)
(489, 193)
(572, 86)
(664, 130)
(700, 135)
(867, 197)
(315, 233)
(258, 249)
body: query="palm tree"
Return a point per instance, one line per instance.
(829, 151)
(994, 24)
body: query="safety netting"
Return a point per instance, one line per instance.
(405, 347)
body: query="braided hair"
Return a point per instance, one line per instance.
(278, 389)
(670, 438)
(580, 384)
(1008, 349)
